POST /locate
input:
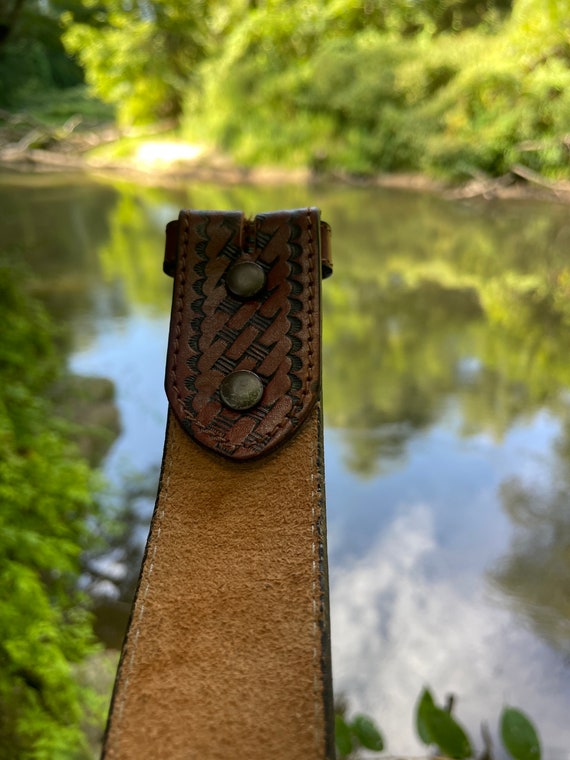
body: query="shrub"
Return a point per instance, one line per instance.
(45, 505)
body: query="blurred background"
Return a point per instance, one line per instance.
(435, 138)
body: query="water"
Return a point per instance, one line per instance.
(447, 409)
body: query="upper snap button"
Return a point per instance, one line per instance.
(245, 279)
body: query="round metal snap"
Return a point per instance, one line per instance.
(245, 279)
(241, 390)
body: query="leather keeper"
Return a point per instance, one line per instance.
(274, 334)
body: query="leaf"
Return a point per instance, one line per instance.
(449, 736)
(424, 709)
(519, 735)
(343, 736)
(366, 733)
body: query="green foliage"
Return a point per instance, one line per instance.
(343, 736)
(519, 735)
(449, 87)
(32, 57)
(390, 90)
(141, 56)
(425, 708)
(50, 109)
(45, 498)
(360, 732)
(366, 733)
(499, 110)
(437, 726)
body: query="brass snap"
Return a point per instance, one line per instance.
(245, 279)
(241, 390)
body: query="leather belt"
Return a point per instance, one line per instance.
(228, 648)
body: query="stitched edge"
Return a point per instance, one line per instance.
(317, 696)
(181, 291)
(132, 648)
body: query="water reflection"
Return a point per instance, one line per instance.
(411, 606)
(447, 410)
(401, 627)
(535, 572)
(56, 225)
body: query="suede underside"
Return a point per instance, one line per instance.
(224, 655)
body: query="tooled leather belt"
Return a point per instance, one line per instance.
(228, 650)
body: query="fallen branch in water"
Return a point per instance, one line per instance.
(482, 187)
(529, 175)
(39, 136)
(510, 185)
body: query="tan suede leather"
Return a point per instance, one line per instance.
(227, 653)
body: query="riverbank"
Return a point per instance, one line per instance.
(156, 156)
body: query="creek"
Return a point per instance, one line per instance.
(447, 423)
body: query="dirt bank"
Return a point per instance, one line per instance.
(167, 161)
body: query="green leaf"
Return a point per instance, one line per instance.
(343, 736)
(366, 733)
(519, 735)
(437, 726)
(424, 709)
(448, 734)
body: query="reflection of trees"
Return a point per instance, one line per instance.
(535, 575)
(389, 363)
(113, 575)
(55, 227)
(132, 255)
(371, 452)
(446, 311)
(396, 361)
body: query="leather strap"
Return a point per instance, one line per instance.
(173, 232)
(274, 332)
(228, 648)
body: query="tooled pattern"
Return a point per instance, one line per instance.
(265, 336)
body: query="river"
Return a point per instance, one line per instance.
(447, 423)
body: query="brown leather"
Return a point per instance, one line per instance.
(171, 249)
(326, 250)
(227, 653)
(275, 334)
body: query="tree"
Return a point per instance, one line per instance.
(32, 56)
(144, 56)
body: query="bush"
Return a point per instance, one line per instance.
(45, 506)
(374, 98)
